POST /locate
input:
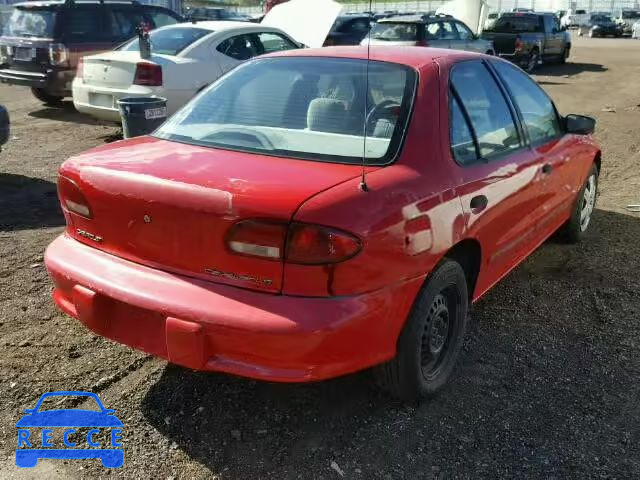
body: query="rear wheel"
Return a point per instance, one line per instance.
(564, 56)
(45, 97)
(577, 225)
(430, 341)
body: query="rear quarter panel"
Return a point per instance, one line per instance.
(406, 221)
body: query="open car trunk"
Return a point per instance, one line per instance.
(170, 206)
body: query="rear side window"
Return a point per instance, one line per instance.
(84, 25)
(463, 147)
(517, 24)
(161, 19)
(240, 47)
(395, 31)
(537, 110)
(268, 42)
(170, 41)
(123, 22)
(31, 22)
(481, 99)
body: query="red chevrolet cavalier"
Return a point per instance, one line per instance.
(314, 213)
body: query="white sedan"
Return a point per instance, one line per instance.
(185, 58)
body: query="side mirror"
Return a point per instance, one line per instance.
(5, 128)
(579, 124)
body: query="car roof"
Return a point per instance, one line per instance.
(415, 57)
(224, 25)
(53, 3)
(416, 18)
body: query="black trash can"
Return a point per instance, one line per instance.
(141, 115)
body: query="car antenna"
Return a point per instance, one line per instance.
(363, 179)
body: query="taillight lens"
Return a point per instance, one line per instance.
(80, 68)
(148, 74)
(422, 43)
(298, 243)
(258, 239)
(317, 245)
(518, 45)
(58, 54)
(72, 198)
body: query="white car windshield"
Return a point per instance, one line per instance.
(170, 41)
(312, 108)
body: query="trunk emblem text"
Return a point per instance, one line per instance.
(90, 236)
(235, 276)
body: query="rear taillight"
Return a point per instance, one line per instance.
(422, 43)
(519, 45)
(258, 239)
(72, 198)
(298, 243)
(317, 245)
(58, 54)
(80, 68)
(148, 74)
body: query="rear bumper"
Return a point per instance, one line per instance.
(85, 96)
(208, 326)
(55, 82)
(517, 58)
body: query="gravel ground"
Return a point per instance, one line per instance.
(547, 386)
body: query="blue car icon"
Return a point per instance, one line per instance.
(68, 418)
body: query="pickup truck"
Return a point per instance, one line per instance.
(528, 39)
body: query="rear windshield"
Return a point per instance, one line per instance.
(630, 14)
(170, 41)
(31, 22)
(580, 12)
(399, 31)
(307, 108)
(601, 18)
(516, 24)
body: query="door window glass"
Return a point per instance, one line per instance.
(491, 118)
(539, 115)
(463, 31)
(239, 48)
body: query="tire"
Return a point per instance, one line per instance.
(46, 98)
(591, 34)
(430, 341)
(564, 56)
(490, 52)
(532, 61)
(577, 225)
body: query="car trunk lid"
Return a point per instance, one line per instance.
(117, 69)
(170, 205)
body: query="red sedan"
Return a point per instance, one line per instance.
(314, 214)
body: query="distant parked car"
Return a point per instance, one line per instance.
(575, 18)
(349, 30)
(528, 39)
(601, 25)
(626, 20)
(43, 41)
(203, 14)
(432, 31)
(185, 58)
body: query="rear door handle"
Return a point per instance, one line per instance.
(478, 203)
(547, 168)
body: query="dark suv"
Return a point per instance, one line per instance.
(42, 42)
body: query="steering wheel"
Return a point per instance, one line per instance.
(375, 113)
(243, 136)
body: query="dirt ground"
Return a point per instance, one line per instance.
(548, 384)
